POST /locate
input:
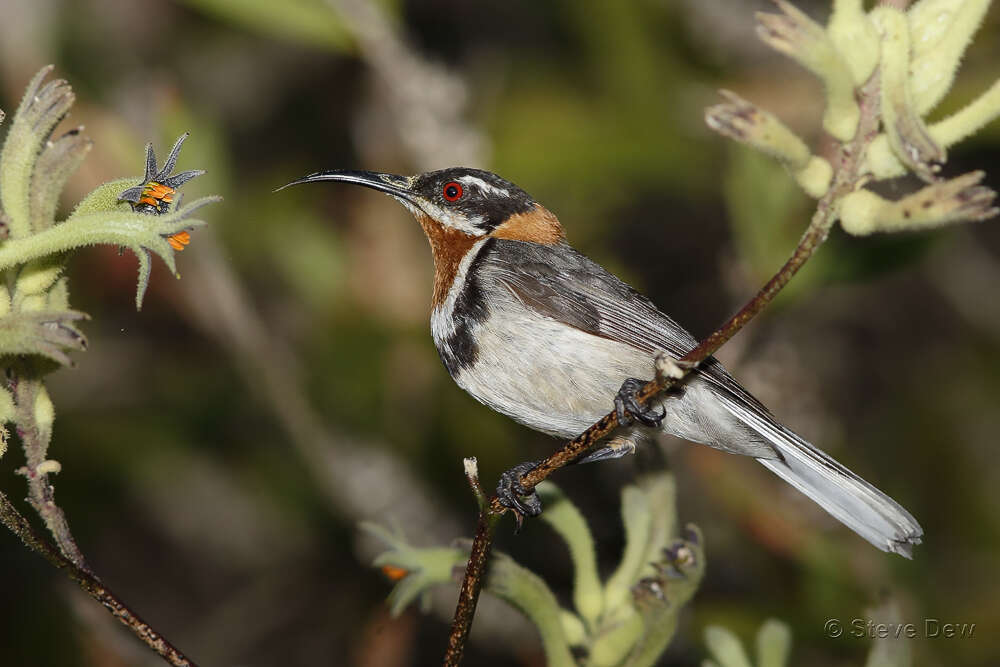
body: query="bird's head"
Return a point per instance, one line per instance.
(458, 202)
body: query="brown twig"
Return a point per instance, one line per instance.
(846, 179)
(482, 544)
(468, 595)
(86, 580)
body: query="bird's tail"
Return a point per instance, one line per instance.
(848, 498)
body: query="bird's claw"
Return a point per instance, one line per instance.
(515, 497)
(627, 406)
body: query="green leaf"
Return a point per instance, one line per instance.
(37, 276)
(774, 644)
(661, 496)
(563, 516)
(59, 159)
(613, 646)
(309, 22)
(725, 647)
(105, 197)
(505, 579)
(895, 649)
(41, 109)
(426, 568)
(942, 31)
(660, 599)
(637, 519)
(44, 333)
(58, 296)
(527, 592)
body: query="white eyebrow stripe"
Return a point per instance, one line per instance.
(483, 185)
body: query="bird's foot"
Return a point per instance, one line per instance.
(627, 406)
(616, 449)
(515, 497)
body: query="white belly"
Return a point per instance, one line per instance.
(547, 375)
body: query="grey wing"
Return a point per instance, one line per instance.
(561, 283)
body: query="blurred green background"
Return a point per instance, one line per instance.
(220, 447)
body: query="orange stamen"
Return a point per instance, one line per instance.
(179, 240)
(394, 573)
(154, 193)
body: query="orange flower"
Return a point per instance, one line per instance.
(158, 188)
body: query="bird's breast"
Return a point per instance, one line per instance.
(541, 372)
(461, 306)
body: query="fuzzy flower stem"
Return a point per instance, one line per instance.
(33, 419)
(984, 110)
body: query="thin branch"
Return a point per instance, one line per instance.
(468, 596)
(846, 179)
(482, 544)
(91, 585)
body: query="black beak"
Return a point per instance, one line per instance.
(390, 184)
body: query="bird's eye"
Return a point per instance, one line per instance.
(452, 191)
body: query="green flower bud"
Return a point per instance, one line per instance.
(802, 39)
(941, 30)
(855, 38)
(815, 177)
(906, 131)
(960, 199)
(740, 120)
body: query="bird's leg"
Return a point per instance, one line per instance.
(628, 407)
(513, 495)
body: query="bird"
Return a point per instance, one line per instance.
(539, 332)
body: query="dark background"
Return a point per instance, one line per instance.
(220, 447)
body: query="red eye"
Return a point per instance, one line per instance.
(452, 191)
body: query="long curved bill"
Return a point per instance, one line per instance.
(390, 184)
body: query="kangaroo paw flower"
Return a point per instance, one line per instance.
(802, 39)
(48, 334)
(742, 121)
(960, 199)
(907, 134)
